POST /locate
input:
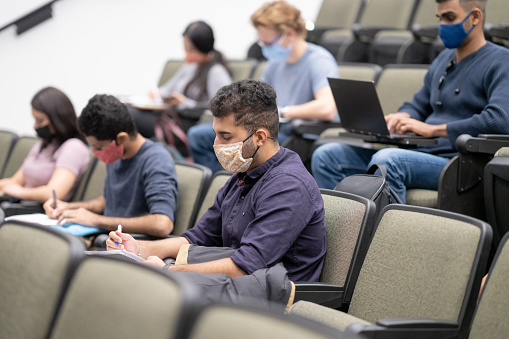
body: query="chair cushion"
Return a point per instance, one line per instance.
(325, 315)
(422, 197)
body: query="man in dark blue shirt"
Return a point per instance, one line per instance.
(464, 92)
(269, 212)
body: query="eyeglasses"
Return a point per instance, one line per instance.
(270, 43)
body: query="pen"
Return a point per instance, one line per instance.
(54, 200)
(120, 230)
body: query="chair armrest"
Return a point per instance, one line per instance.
(484, 143)
(300, 127)
(417, 323)
(22, 207)
(329, 295)
(406, 328)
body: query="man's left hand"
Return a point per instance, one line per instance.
(80, 216)
(154, 262)
(418, 127)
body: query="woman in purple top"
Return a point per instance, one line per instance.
(58, 160)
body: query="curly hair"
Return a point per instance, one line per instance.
(104, 117)
(252, 103)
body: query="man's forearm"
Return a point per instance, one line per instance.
(166, 248)
(440, 131)
(224, 266)
(95, 206)
(153, 224)
(314, 109)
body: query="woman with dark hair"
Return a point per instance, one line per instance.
(195, 83)
(58, 160)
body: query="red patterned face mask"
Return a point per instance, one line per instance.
(111, 153)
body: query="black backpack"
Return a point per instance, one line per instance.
(370, 186)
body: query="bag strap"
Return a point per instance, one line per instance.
(376, 167)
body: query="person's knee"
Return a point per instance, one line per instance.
(199, 134)
(387, 157)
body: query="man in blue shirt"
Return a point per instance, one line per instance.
(140, 190)
(269, 212)
(296, 69)
(464, 92)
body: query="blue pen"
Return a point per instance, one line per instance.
(120, 230)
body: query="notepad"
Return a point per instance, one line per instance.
(121, 254)
(43, 219)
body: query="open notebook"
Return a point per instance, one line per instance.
(120, 254)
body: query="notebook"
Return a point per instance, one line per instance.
(361, 114)
(43, 219)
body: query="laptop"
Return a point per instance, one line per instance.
(361, 114)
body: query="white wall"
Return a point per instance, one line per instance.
(112, 46)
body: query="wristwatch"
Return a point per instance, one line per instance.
(283, 110)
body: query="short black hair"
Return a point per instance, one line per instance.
(104, 117)
(468, 5)
(252, 103)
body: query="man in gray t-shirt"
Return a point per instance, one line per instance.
(140, 190)
(296, 69)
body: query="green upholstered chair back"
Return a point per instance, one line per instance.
(359, 71)
(18, 154)
(338, 13)
(258, 70)
(94, 185)
(229, 322)
(497, 12)
(192, 180)
(7, 141)
(425, 14)
(78, 194)
(218, 180)
(34, 272)
(503, 152)
(387, 13)
(170, 68)
(397, 84)
(490, 320)
(117, 299)
(349, 223)
(420, 265)
(241, 69)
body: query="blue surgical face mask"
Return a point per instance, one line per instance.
(454, 35)
(276, 52)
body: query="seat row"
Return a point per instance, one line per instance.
(413, 273)
(51, 289)
(392, 31)
(197, 187)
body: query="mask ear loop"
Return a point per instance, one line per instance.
(258, 146)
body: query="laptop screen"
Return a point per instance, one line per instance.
(358, 106)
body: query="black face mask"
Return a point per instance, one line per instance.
(44, 132)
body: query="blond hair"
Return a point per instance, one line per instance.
(280, 16)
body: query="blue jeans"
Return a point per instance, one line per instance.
(201, 140)
(405, 168)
